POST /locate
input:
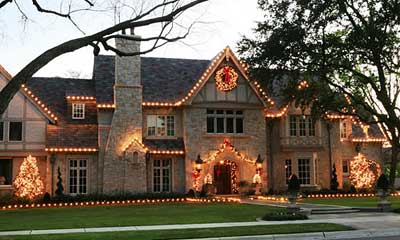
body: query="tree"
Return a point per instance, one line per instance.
(164, 13)
(60, 189)
(348, 51)
(334, 182)
(28, 183)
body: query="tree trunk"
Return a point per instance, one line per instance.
(393, 165)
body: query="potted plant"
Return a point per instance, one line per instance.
(293, 192)
(382, 186)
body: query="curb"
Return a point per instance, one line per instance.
(354, 234)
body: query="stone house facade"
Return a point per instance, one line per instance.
(145, 124)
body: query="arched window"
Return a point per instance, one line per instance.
(135, 157)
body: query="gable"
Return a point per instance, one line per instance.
(241, 93)
(244, 91)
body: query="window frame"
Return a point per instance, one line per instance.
(74, 114)
(304, 180)
(11, 170)
(78, 177)
(165, 127)
(347, 161)
(343, 130)
(161, 176)
(9, 131)
(215, 116)
(301, 126)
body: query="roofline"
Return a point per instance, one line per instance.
(5, 73)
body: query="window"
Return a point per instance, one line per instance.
(288, 169)
(15, 131)
(345, 166)
(78, 111)
(224, 121)
(162, 175)
(343, 129)
(160, 125)
(78, 176)
(6, 170)
(1, 131)
(300, 125)
(304, 170)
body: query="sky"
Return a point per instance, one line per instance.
(221, 23)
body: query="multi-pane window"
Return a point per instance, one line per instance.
(6, 170)
(78, 174)
(160, 125)
(301, 126)
(345, 166)
(1, 131)
(78, 111)
(15, 131)
(304, 170)
(343, 129)
(224, 121)
(162, 175)
(288, 169)
(293, 125)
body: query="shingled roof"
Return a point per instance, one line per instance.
(163, 79)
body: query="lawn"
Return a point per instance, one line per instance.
(191, 233)
(352, 202)
(143, 214)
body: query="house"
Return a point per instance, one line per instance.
(144, 124)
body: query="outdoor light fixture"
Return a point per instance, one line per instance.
(198, 163)
(259, 162)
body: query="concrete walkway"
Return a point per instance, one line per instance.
(384, 221)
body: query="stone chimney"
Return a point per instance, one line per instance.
(126, 125)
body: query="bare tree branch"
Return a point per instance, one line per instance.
(4, 2)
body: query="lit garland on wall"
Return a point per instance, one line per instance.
(303, 85)
(28, 184)
(39, 102)
(278, 114)
(363, 172)
(228, 145)
(368, 139)
(69, 149)
(122, 202)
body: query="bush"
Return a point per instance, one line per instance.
(251, 192)
(191, 193)
(243, 183)
(334, 182)
(60, 188)
(283, 216)
(294, 184)
(46, 198)
(397, 210)
(383, 182)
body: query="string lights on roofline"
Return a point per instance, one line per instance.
(70, 149)
(81, 98)
(39, 102)
(278, 114)
(152, 151)
(368, 139)
(105, 105)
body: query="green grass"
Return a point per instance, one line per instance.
(191, 233)
(352, 202)
(145, 214)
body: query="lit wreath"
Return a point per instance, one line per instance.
(226, 79)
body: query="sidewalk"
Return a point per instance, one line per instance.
(378, 222)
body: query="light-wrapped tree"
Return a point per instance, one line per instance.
(28, 183)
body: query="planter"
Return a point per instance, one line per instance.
(384, 204)
(293, 207)
(2, 180)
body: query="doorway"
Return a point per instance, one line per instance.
(222, 178)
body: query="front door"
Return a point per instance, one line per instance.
(222, 178)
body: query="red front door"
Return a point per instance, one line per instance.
(222, 178)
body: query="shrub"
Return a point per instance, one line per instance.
(294, 184)
(60, 188)
(283, 216)
(382, 182)
(191, 193)
(46, 197)
(334, 182)
(397, 210)
(251, 192)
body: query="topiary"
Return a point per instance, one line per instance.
(334, 182)
(293, 184)
(383, 182)
(60, 189)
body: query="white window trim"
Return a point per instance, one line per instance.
(8, 132)
(171, 176)
(297, 123)
(87, 175)
(73, 110)
(165, 126)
